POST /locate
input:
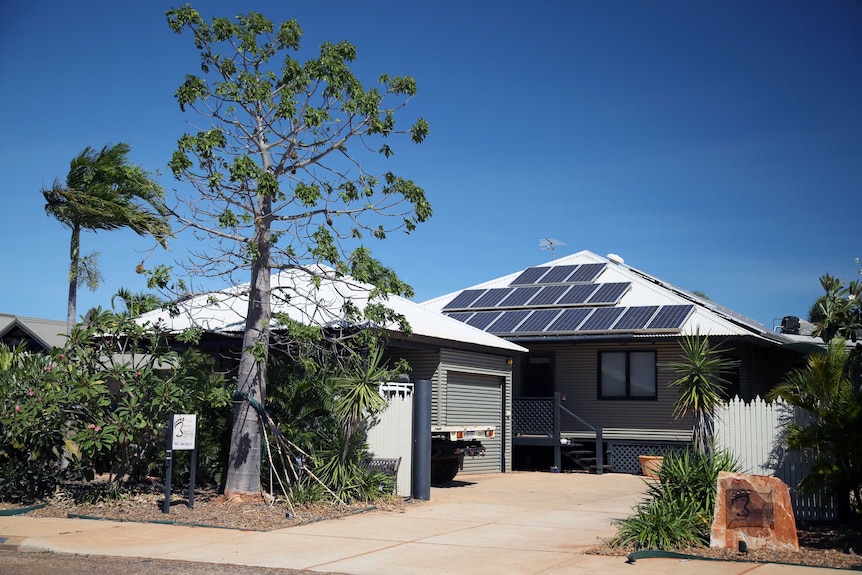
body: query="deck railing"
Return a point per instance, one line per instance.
(536, 421)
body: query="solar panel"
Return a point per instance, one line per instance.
(461, 315)
(507, 322)
(538, 320)
(670, 317)
(491, 298)
(577, 294)
(519, 296)
(636, 317)
(529, 276)
(558, 274)
(570, 319)
(483, 319)
(464, 299)
(601, 319)
(586, 273)
(548, 295)
(609, 293)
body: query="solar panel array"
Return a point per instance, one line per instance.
(561, 300)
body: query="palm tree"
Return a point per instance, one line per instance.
(103, 191)
(701, 381)
(832, 436)
(138, 303)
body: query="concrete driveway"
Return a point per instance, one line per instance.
(513, 523)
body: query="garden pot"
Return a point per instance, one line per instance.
(650, 465)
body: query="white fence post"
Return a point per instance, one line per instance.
(752, 433)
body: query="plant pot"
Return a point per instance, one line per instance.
(650, 465)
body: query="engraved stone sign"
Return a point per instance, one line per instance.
(747, 508)
(755, 510)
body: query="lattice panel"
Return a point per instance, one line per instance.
(533, 416)
(624, 456)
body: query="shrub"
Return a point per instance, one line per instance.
(660, 523)
(679, 507)
(99, 404)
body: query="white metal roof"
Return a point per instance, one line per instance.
(295, 293)
(707, 317)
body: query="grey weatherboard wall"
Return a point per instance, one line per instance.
(468, 389)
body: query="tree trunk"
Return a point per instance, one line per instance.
(243, 473)
(74, 256)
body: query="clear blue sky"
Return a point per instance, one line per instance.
(716, 145)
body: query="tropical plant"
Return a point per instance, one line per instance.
(839, 310)
(356, 392)
(679, 507)
(101, 404)
(40, 407)
(138, 303)
(279, 185)
(701, 385)
(324, 409)
(832, 437)
(103, 191)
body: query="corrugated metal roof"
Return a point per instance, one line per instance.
(296, 294)
(645, 292)
(48, 332)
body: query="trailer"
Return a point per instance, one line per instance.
(451, 443)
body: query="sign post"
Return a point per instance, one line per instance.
(182, 434)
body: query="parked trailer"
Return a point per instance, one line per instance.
(451, 443)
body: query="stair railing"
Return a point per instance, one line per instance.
(600, 446)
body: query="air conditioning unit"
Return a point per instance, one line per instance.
(790, 325)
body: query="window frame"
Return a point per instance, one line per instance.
(628, 376)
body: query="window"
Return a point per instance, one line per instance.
(627, 375)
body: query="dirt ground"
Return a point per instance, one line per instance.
(209, 509)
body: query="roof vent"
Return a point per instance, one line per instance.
(616, 259)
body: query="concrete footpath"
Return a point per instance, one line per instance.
(514, 523)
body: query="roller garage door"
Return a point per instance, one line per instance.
(477, 400)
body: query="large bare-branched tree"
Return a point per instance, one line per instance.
(275, 162)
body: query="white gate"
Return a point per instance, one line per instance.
(390, 436)
(752, 432)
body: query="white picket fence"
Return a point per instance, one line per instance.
(752, 432)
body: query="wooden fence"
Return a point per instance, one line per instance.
(753, 433)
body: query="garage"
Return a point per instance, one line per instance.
(473, 399)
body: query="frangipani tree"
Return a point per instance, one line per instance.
(280, 185)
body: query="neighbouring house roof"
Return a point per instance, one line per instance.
(320, 303)
(42, 333)
(587, 296)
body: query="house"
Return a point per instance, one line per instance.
(598, 333)
(37, 335)
(470, 369)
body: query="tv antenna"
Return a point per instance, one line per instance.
(550, 244)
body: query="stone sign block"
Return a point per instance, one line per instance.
(755, 510)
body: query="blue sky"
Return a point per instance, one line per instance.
(716, 145)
